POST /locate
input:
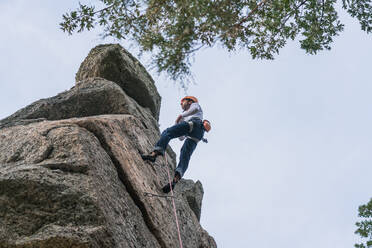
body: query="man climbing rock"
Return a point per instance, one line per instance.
(188, 125)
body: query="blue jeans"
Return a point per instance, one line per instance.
(178, 130)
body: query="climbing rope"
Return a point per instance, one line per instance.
(174, 205)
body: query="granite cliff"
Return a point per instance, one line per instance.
(71, 174)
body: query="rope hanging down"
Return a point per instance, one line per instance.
(174, 205)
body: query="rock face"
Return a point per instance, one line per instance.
(71, 175)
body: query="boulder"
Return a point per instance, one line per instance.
(59, 188)
(81, 182)
(114, 63)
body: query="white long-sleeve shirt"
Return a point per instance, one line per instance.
(194, 111)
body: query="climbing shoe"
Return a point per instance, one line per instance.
(167, 188)
(149, 157)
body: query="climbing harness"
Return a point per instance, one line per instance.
(206, 126)
(191, 126)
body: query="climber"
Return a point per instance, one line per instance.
(188, 125)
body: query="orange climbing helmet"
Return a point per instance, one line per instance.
(192, 98)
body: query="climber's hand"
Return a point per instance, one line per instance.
(178, 119)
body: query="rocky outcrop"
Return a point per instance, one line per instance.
(193, 193)
(114, 63)
(93, 96)
(71, 175)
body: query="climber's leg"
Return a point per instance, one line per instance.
(175, 131)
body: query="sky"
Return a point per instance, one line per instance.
(289, 155)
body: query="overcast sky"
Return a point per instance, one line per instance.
(289, 156)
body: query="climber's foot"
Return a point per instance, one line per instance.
(150, 157)
(167, 188)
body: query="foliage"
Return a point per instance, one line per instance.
(365, 226)
(173, 30)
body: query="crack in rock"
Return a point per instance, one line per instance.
(124, 179)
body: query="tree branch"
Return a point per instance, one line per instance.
(251, 13)
(104, 9)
